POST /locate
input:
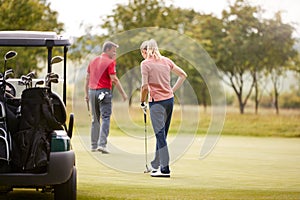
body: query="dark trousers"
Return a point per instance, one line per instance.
(161, 114)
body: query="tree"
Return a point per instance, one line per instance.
(33, 15)
(280, 52)
(236, 56)
(207, 31)
(253, 48)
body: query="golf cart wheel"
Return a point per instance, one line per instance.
(67, 190)
(4, 190)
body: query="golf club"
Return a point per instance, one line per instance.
(7, 56)
(40, 82)
(30, 75)
(56, 59)
(51, 78)
(9, 88)
(7, 73)
(21, 82)
(144, 107)
(25, 80)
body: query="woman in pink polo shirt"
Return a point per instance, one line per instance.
(156, 77)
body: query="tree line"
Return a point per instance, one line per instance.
(31, 15)
(248, 49)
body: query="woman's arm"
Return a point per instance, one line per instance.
(144, 93)
(181, 77)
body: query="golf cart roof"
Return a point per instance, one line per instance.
(32, 38)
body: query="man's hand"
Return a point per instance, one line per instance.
(87, 103)
(125, 97)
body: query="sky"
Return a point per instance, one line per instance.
(76, 15)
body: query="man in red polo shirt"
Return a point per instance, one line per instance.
(101, 74)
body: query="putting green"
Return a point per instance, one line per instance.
(270, 165)
(237, 168)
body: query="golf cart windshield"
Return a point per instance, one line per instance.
(39, 39)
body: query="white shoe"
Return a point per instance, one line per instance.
(153, 170)
(160, 174)
(103, 150)
(150, 169)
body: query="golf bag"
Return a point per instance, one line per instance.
(31, 143)
(5, 142)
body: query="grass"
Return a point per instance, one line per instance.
(264, 124)
(238, 168)
(241, 166)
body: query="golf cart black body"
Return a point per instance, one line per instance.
(60, 175)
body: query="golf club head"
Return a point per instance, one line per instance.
(54, 80)
(7, 73)
(26, 79)
(21, 83)
(51, 80)
(40, 82)
(31, 74)
(147, 170)
(52, 75)
(10, 55)
(56, 59)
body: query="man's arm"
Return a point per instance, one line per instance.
(86, 88)
(117, 83)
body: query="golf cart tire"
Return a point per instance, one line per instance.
(71, 124)
(67, 190)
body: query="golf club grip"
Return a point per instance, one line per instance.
(145, 118)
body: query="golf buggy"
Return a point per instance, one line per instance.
(35, 147)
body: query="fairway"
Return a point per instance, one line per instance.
(237, 168)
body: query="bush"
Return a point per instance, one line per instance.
(289, 100)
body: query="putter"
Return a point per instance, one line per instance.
(147, 170)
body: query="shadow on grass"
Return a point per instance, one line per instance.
(22, 194)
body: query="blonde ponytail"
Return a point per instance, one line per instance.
(152, 49)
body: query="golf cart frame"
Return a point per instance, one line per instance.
(61, 171)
